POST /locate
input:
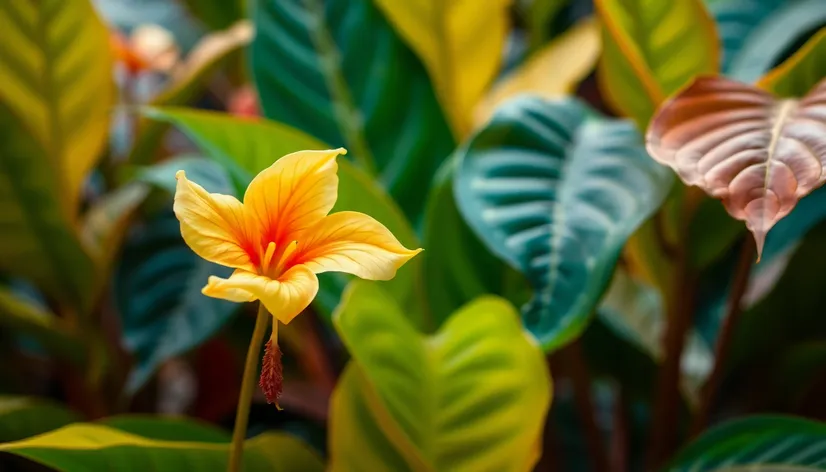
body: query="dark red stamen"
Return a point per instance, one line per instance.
(272, 373)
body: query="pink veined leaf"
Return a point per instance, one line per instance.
(760, 155)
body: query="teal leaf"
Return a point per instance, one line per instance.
(337, 70)
(158, 293)
(757, 444)
(756, 35)
(556, 191)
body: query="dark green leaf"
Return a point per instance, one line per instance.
(556, 193)
(762, 443)
(22, 417)
(338, 70)
(217, 14)
(168, 429)
(158, 293)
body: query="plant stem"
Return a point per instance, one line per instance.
(581, 379)
(721, 348)
(248, 383)
(682, 300)
(619, 442)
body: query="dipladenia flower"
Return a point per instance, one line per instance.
(280, 237)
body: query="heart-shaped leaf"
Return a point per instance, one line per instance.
(648, 56)
(22, 417)
(39, 240)
(758, 154)
(755, 35)
(57, 76)
(81, 447)
(473, 396)
(158, 293)
(337, 70)
(245, 147)
(556, 193)
(757, 444)
(460, 44)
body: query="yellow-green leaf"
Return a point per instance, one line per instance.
(554, 71)
(472, 396)
(56, 74)
(461, 45)
(83, 447)
(21, 417)
(651, 48)
(799, 73)
(39, 241)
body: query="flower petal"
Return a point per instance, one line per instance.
(213, 225)
(284, 298)
(292, 194)
(355, 243)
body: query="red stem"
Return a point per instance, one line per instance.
(619, 441)
(581, 379)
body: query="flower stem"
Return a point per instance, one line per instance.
(239, 433)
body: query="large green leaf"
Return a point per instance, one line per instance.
(158, 293)
(799, 74)
(757, 444)
(83, 447)
(39, 242)
(217, 14)
(337, 70)
(245, 147)
(457, 266)
(651, 49)
(473, 396)
(757, 34)
(54, 334)
(556, 191)
(56, 73)
(167, 428)
(22, 417)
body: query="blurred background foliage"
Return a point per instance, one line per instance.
(504, 137)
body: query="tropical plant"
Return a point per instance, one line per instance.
(619, 202)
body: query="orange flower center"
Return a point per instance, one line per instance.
(277, 260)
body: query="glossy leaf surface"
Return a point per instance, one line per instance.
(759, 155)
(429, 402)
(245, 147)
(459, 43)
(158, 293)
(556, 193)
(82, 447)
(577, 49)
(22, 417)
(337, 70)
(759, 444)
(57, 77)
(651, 49)
(39, 241)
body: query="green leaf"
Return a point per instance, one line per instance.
(706, 247)
(217, 14)
(245, 147)
(207, 173)
(158, 294)
(557, 193)
(22, 417)
(54, 334)
(56, 72)
(473, 396)
(167, 428)
(650, 50)
(83, 447)
(337, 70)
(457, 265)
(756, 35)
(757, 444)
(189, 80)
(39, 241)
(801, 72)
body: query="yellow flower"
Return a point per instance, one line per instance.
(280, 237)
